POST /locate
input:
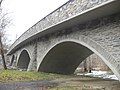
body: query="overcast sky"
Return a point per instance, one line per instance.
(25, 13)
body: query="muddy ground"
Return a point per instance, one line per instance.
(71, 83)
(87, 83)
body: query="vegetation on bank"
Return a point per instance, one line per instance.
(65, 82)
(14, 75)
(65, 88)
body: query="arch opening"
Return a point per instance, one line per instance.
(64, 58)
(23, 60)
(12, 60)
(96, 67)
(93, 63)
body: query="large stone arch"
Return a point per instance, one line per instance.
(23, 60)
(84, 44)
(64, 58)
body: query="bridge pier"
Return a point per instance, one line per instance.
(33, 62)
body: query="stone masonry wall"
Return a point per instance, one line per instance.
(68, 10)
(102, 35)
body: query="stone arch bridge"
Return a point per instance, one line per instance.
(63, 39)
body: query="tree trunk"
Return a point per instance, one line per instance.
(85, 66)
(90, 66)
(1, 2)
(2, 54)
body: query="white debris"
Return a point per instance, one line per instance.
(102, 74)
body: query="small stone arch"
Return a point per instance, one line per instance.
(23, 60)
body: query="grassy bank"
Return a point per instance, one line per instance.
(64, 82)
(14, 75)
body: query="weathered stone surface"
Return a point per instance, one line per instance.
(70, 9)
(100, 36)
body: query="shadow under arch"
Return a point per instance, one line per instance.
(64, 58)
(12, 60)
(60, 57)
(52, 55)
(23, 60)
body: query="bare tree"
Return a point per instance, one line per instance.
(90, 64)
(2, 54)
(85, 65)
(3, 24)
(1, 45)
(1, 2)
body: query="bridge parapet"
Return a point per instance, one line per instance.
(65, 12)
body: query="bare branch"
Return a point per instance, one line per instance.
(3, 24)
(1, 2)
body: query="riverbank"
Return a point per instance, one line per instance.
(22, 76)
(87, 83)
(71, 83)
(22, 80)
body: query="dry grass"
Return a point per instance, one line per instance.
(14, 75)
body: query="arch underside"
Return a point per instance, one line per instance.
(64, 58)
(23, 60)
